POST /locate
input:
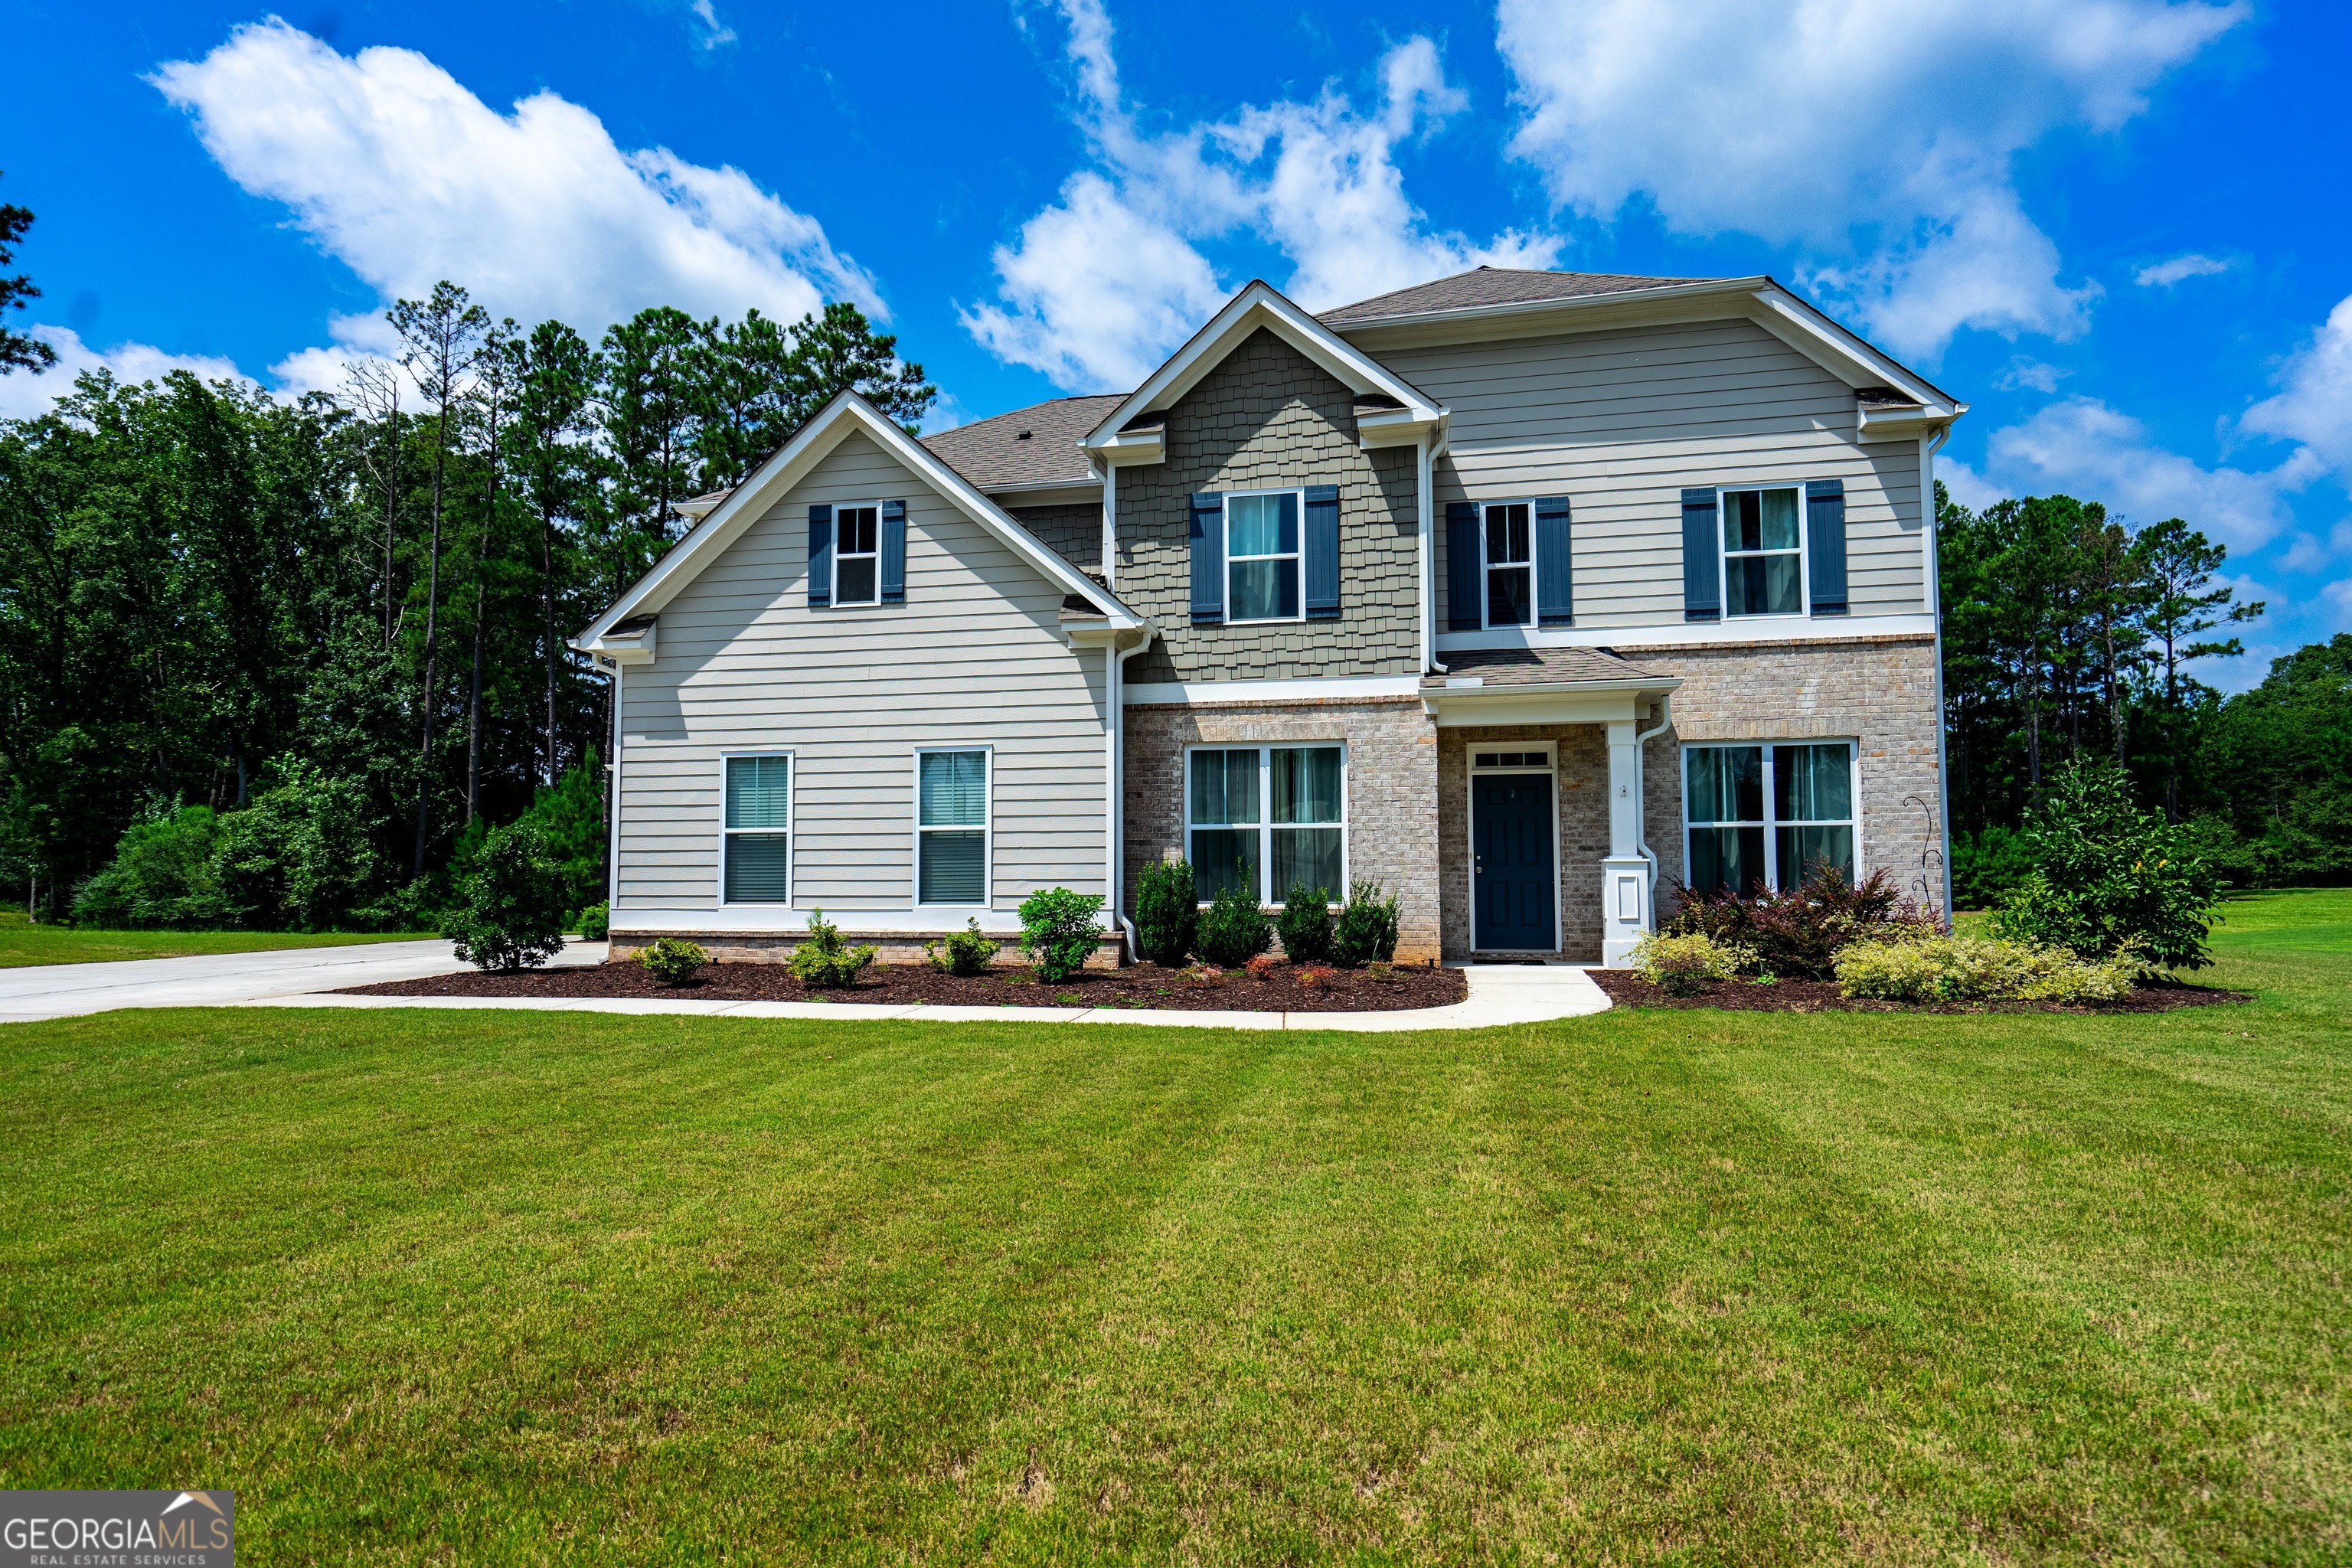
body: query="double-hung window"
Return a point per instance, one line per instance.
(1266, 819)
(757, 853)
(856, 555)
(952, 827)
(1766, 816)
(1510, 566)
(1263, 561)
(1763, 559)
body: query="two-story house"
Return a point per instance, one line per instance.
(1526, 595)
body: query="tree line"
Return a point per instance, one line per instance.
(351, 609)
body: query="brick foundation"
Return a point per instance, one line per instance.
(897, 947)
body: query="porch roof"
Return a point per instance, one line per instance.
(1548, 667)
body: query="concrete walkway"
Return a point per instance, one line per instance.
(310, 977)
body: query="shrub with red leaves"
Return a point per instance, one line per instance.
(1261, 968)
(1798, 932)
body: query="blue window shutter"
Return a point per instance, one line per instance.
(892, 548)
(1208, 558)
(1322, 553)
(1825, 545)
(1465, 607)
(1702, 558)
(1555, 571)
(820, 583)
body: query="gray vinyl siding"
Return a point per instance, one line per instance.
(975, 657)
(1620, 422)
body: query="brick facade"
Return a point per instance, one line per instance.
(1879, 691)
(1392, 748)
(1581, 799)
(1269, 416)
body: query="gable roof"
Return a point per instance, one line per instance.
(1491, 286)
(846, 415)
(1034, 447)
(1260, 305)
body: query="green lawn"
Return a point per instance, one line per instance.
(21, 944)
(1668, 1285)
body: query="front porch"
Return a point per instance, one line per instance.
(1539, 792)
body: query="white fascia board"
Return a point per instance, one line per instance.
(1125, 446)
(809, 446)
(1742, 633)
(1815, 335)
(1326, 689)
(1454, 709)
(1260, 305)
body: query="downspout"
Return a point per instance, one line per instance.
(1425, 513)
(1110, 526)
(612, 856)
(1115, 812)
(1930, 446)
(1642, 795)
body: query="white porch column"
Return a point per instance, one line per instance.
(1625, 874)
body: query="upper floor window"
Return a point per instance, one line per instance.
(856, 555)
(1763, 559)
(1510, 566)
(1263, 562)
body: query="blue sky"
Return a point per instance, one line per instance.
(2116, 227)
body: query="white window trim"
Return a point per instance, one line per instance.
(1297, 559)
(987, 833)
(1265, 823)
(1472, 772)
(838, 508)
(1804, 555)
(1487, 570)
(1771, 824)
(792, 826)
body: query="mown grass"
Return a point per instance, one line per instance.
(1667, 1286)
(22, 944)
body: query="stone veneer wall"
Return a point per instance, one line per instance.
(1878, 690)
(1581, 797)
(1267, 417)
(1391, 790)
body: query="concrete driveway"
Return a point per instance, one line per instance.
(227, 979)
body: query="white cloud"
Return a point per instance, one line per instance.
(1968, 488)
(1822, 123)
(24, 395)
(2165, 274)
(2315, 404)
(2085, 448)
(2031, 374)
(716, 34)
(1098, 288)
(400, 172)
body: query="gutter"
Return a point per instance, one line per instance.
(1935, 605)
(1642, 795)
(1115, 659)
(1424, 533)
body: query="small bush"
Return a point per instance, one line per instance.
(1799, 933)
(965, 953)
(510, 908)
(1202, 975)
(1166, 912)
(823, 961)
(1366, 930)
(1306, 924)
(1679, 965)
(1381, 970)
(672, 961)
(1058, 930)
(596, 922)
(1979, 969)
(2110, 879)
(1234, 929)
(1263, 966)
(1316, 976)
(162, 875)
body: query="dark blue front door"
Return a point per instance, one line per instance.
(1510, 844)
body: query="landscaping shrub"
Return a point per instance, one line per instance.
(1316, 976)
(2110, 879)
(965, 953)
(596, 922)
(302, 857)
(1680, 965)
(1166, 912)
(1979, 969)
(823, 959)
(510, 910)
(1366, 929)
(1306, 924)
(1058, 930)
(162, 875)
(672, 961)
(1263, 966)
(1234, 929)
(1799, 932)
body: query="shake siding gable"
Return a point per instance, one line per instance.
(1620, 422)
(974, 656)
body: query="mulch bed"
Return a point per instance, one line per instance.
(1139, 985)
(1628, 989)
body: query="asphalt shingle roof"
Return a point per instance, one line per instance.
(1490, 286)
(1033, 445)
(1537, 666)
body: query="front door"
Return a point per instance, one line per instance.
(1511, 863)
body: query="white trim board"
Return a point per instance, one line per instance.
(1742, 631)
(1326, 689)
(767, 920)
